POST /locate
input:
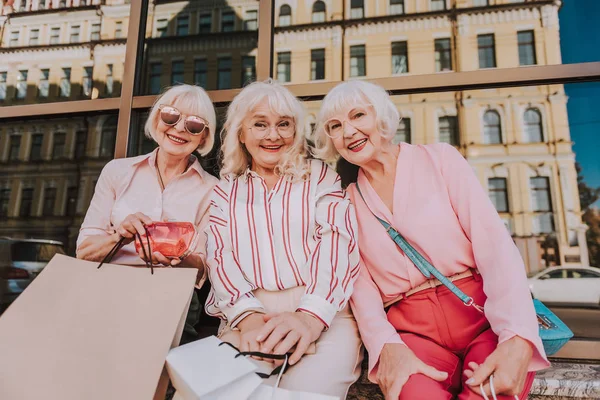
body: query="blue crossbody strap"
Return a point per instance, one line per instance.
(424, 266)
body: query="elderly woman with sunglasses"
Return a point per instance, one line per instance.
(282, 254)
(423, 341)
(167, 184)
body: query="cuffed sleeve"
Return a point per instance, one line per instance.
(232, 291)
(334, 261)
(375, 329)
(508, 308)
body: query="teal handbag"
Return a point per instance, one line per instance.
(553, 332)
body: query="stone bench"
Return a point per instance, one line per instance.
(562, 381)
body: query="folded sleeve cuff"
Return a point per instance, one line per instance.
(539, 360)
(318, 308)
(375, 348)
(244, 304)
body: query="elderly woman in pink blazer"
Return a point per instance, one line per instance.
(423, 341)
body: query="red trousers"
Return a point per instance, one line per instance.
(447, 335)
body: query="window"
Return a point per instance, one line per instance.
(3, 75)
(357, 9)
(4, 202)
(443, 55)
(533, 126)
(107, 141)
(118, 29)
(487, 51)
(542, 204)
(498, 192)
(109, 81)
(526, 41)
(284, 66)
(177, 72)
(481, 3)
(49, 201)
(318, 12)
(200, 71)
(581, 273)
(95, 33)
(557, 274)
(54, 35)
(492, 129)
(251, 22)
(285, 15)
(75, 34)
(34, 37)
(80, 144)
(21, 85)
(396, 7)
(399, 57)
(248, 69)
(183, 25)
(65, 83)
(161, 27)
(358, 65)
(403, 131)
(205, 24)
(228, 21)
(224, 73)
(26, 202)
(14, 38)
(58, 149)
(87, 80)
(448, 133)
(72, 201)
(62, 3)
(155, 74)
(438, 5)
(317, 64)
(44, 84)
(35, 153)
(15, 147)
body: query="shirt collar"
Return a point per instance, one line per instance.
(151, 159)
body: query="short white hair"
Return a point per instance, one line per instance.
(356, 93)
(234, 155)
(194, 100)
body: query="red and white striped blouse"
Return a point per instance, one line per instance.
(299, 233)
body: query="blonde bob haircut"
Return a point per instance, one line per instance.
(235, 157)
(189, 99)
(342, 99)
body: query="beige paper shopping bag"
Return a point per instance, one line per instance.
(79, 332)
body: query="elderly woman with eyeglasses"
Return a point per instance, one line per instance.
(423, 341)
(282, 254)
(167, 184)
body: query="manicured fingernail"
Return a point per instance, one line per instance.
(259, 338)
(470, 381)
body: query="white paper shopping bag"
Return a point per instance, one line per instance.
(210, 369)
(266, 392)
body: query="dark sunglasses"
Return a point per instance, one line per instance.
(194, 124)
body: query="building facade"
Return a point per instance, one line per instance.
(516, 139)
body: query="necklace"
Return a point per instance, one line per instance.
(162, 184)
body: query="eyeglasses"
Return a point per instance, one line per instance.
(171, 116)
(359, 118)
(285, 129)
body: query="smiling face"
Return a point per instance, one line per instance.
(175, 140)
(267, 136)
(355, 135)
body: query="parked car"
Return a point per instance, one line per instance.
(572, 285)
(21, 260)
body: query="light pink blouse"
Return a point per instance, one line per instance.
(442, 210)
(130, 185)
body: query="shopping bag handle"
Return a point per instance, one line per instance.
(279, 370)
(119, 244)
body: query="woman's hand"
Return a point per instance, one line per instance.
(508, 363)
(396, 364)
(132, 224)
(285, 330)
(157, 259)
(250, 328)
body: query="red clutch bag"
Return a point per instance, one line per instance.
(171, 239)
